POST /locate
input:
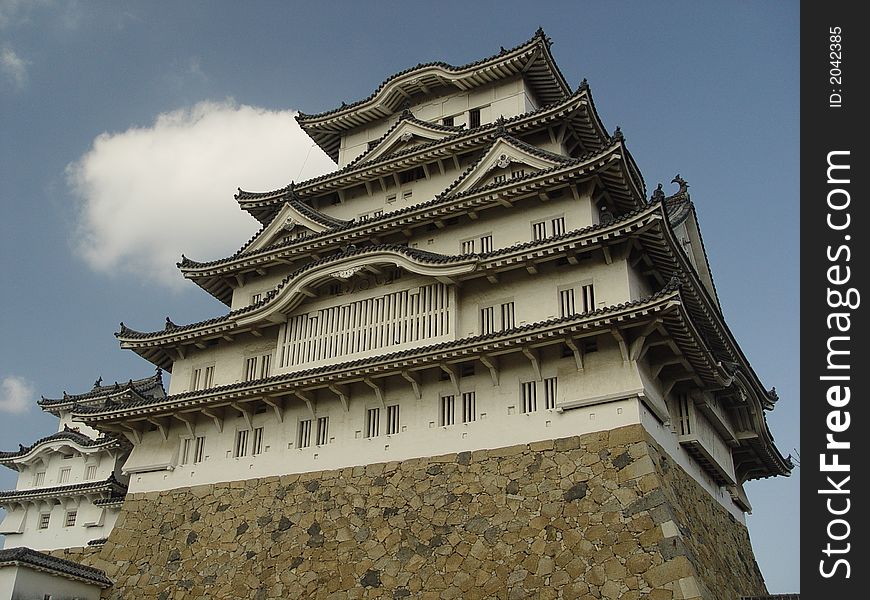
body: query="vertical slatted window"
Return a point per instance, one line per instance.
(251, 368)
(474, 118)
(529, 396)
(486, 243)
(63, 476)
(558, 225)
(373, 422)
(447, 414)
(185, 451)
(469, 407)
(587, 292)
(44, 520)
(265, 366)
(241, 448)
(39, 479)
(199, 449)
(322, 430)
(539, 231)
(91, 473)
(208, 377)
(487, 320)
(303, 437)
(566, 303)
(507, 316)
(195, 379)
(392, 419)
(257, 442)
(684, 419)
(70, 518)
(467, 247)
(550, 389)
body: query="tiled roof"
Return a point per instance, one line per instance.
(145, 386)
(73, 436)
(107, 485)
(668, 290)
(44, 562)
(303, 118)
(98, 541)
(110, 501)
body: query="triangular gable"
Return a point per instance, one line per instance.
(289, 221)
(406, 133)
(507, 157)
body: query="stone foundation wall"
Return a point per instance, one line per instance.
(604, 515)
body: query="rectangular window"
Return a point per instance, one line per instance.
(448, 413)
(550, 392)
(63, 477)
(499, 178)
(70, 518)
(407, 194)
(44, 519)
(195, 379)
(467, 247)
(392, 419)
(487, 320)
(517, 173)
(251, 368)
(322, 430)
(256, 298)
(558, 225)
(412, 175)
(373, 422)
(474, 118)
(241, 448)
(507, 316)
(199, 449)
(486, 243)
(91, 473)
(371, 144)
(566, 303)
(257, 442)
(39, 479)
(448, 121)
(539, 231)
(185, 451)
(529, 393)
(303, 439)
(469, 407)
(390, 199)
(587, 293)
(265, 365)
(208, 377)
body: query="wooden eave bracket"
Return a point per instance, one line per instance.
(132, 433)
(277, 405)
(188, 420)
(378, 390)
(308, 399)
(491, 363)
(414, 380)
(343, 393)
(623, 347)
(638, 347)
(577, 350)
(216, 416)
(452, 373)
(245, 412)
(533, 357)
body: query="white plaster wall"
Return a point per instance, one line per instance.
(24, 583)
(58, 535)
(51, 462)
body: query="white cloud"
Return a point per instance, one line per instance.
(16, 395)
(149, 194)
(13, 67)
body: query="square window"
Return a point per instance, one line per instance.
(63, 476)
(70, 519)
(91, 473)
(539, 231)
(448, 121)
(467, 247)
(39, 479)
(44, 519)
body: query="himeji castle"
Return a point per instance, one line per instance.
(479, 359)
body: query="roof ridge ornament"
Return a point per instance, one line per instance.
(680, 182)
(617, 135)
(584, 86)
(168, 327)
(98, 382)
(658, 195)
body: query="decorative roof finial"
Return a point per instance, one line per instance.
(680, 182)
(658, 195)
(98, 382)
(584, 85)
(499, 125)
(540, 32)
(771, 393)
(170, 324)
(617, 134)
(502, 50)
(343, 104)
(675, 282)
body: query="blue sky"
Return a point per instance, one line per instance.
(126, 127)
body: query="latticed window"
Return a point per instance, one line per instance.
(63, 476)
(392, 419)
(486, 243)
(467, 247)
(507, 315)
(199, 449)
(469, 407)
(44, 520)
(587, 293)
(91, 472)
(71, 518)
(322, 430)
(185, 450)
(257, 443)
(241, 448)
(208, 377)
(447, 413)
(566, 303)
(487, 320)
(39, 479)
(304, 436)
(558, 225)
(529, 396)
(474, 118)
(539, 231)
(373, 422)
(550, 389)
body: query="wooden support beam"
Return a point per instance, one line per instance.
(217, 416)
(638, 347)
(531, 268)
(132, 433)
(343, 393)
(577, 349)
(492, 278)
(261, 271)
(447, 280)
(572, 259)
(439, 223)
(451, 372)
(189, 421)
(491, 363)
(667, 386)
(340, 194)
(504, 201)
(440, 166)
(426, 171)
(181, 352)
(277, 405)
(308, 399)
(240, 279)
(378, 390)
(201, 345)
(623, 347)
(307, 291)
(456, 162)
(472, 214)
(161, 425)
(607, 257)
(532, 355)
(245, 412)
(414, 380)
(256, 333)
(368, 185)
(543, 196)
